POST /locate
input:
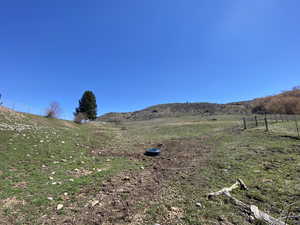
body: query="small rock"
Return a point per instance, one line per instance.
(142, 167)
(175, 209)
(95, 202)
(198, 204)
(71, 180)
(59, 206)
(62, 142)
(65, 194)
(51, 178)
(50, 198)
(126, 178)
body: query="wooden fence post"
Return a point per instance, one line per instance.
(297, 126)
(245, 125)
(266, 123)
(256, 123)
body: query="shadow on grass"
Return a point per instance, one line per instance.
(290, 137)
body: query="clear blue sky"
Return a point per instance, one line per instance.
(136, 53)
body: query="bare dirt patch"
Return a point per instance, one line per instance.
(122, 198)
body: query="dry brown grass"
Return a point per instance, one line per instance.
(10, 203)
(287, 102)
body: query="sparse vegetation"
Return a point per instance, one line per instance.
(55, 172)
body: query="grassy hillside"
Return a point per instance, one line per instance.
(98, 171)
(45, 162)
(176, 110)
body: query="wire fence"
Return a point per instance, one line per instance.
(282, 123)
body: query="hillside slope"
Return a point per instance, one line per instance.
(60, 173)
(178, 109)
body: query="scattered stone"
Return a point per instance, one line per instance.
(65, 194)
(198, 204)
(62, 142)
(59, 206)
(175, 209)
(50, 198)
(126, 178)
(95, 202)
(51, 178)
(142, 167)
(71, 180)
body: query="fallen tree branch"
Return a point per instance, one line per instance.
(238, 183)
(251, 210)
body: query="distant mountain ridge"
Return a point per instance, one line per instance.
(179, 109)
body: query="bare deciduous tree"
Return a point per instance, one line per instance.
(53, 111)
(80, 118)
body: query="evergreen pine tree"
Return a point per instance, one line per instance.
(87, 105)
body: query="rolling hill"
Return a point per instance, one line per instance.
(178, 109)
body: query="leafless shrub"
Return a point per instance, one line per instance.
(288, 102)
(53, 111)
(80, 118)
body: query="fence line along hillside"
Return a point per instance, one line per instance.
(282, 123)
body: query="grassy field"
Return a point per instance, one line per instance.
(98, 174)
